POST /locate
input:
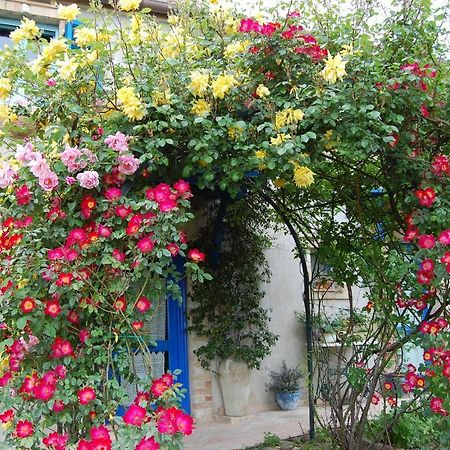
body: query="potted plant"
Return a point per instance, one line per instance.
(286, 386)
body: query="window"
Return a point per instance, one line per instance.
(8, 25)
(320, 275)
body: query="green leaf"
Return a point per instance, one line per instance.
(21, 322)
(50, 330)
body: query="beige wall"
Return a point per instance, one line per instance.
(284, 299)
(43, 12)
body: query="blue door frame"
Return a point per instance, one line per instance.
(176, 343)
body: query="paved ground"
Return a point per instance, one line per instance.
(248, 431)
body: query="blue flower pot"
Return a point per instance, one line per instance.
(287, 401)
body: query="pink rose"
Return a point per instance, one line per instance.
(117, 142)
(88, 179)
(70, 157)
(38, 166)
(25, 153)
(70, 180)
(89, 155)
(48, 181)
(113, 193)
(128, 164)
(7, 175)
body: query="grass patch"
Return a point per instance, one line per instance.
(271, 441)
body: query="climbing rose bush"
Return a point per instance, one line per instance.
(88, 237)
(86, 259)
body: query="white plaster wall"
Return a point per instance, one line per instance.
(284, 298)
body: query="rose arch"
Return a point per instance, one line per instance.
(108, 136)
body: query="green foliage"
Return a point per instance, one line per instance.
(286, 380)
(412, 431)
(271, 439)
(227, 310)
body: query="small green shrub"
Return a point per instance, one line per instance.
(413, 431)
(271, 439)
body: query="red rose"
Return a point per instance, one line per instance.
(143, 304)
(86, 395)
(23, 195)
(147, 444)
(135, 415)
(146, 244)
(426, 241)
(196, 255)
(52, 308)
(27, 305)
(24, 428)
(120, 304)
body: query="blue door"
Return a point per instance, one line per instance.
(168, 328)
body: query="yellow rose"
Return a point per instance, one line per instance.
(69, 12)
(53, 49)
(334, 68)
(260, 154)
(130, 103)
(29, 27)
(232, 49)
(199, 82)
(201, 108)
(27, 30)
(4, 112)
(17, 35)
(5, 88)
(38, 66)
(231, 26)
(287, 117)
(279, 139)
(129, 5)
(262, 91)
(160, 98)
(85, 36)
(303, 176)
(67, 68)
(222, 85)
(91, 57)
